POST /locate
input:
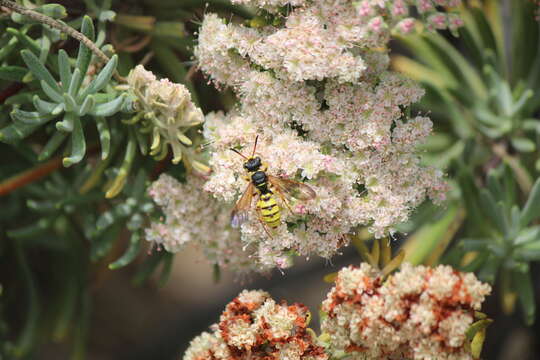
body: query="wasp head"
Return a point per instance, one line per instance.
(253, 164)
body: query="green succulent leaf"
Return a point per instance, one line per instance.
(75, 83)
(16, 131)
(528, 235)
(104, 136)
(39, 70)
(25, 40)
(522, 284)
(85, 54)
(492, 209)
(523, 144)
(30, 117)
(70, 104)
(78, 144)
(109, 108)
(130, 254)
(102, 79)
(64, 68)
(531, 210)
(55, 11)
(52, 145)
(12, 73)
(42, 106)
(51, 93)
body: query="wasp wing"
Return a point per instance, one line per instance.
(291, 188)
(239, 214)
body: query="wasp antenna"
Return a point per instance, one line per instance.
(255, 145)
(239, 153)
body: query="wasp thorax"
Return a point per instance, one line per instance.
(253, 164)
(258, 178)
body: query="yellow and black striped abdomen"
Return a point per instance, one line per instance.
(270, 211)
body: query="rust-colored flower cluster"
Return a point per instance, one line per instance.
(254, 326)
(418, 313)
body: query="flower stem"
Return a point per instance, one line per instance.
(29, 176)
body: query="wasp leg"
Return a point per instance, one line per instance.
(263, 224)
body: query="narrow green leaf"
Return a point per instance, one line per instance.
(51, 93)
(31, 230)
(527, 235)
(147, 268)
(522, 101)
(85, 54)
(52, 145)
(66, 125)
(104, 136)
(42, 106)
(87, 105)
(130, 254)
(26, 41)
(76, 81)
(109, 108)
(69, 296)
(489, 269)
(70, 104)
(475, 244)
(523, 144)
(64, 68)
(44, 47)
(12, 73)
(494, 185)
(120, 179)
(29, 330)
(39, 70)
(16, 131)
(428, 237)
(6, 50)
(102, 79)
(522, 283)
(531, 210)
(330, 278)
(78, 144)
(55, 11)
(30, 117)
(528, 252)
(491, 209)
(477, 343)
(102, 245)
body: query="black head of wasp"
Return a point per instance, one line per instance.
(265, 187)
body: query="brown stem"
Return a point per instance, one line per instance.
(29, 176)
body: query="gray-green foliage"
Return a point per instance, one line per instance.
(484, 94)
(75, 169)
(69, 99)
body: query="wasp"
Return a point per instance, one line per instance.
(265, 187)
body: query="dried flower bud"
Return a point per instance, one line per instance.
(167, 113)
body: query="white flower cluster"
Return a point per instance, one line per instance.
(418, 313)
(328, 112)
(166, 112)
(194, 217)
(253, 326)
